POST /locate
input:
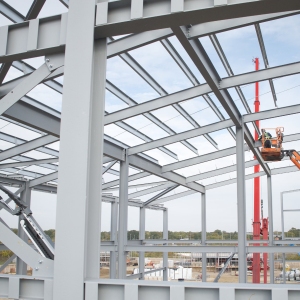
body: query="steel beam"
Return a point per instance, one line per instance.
(166, 191)
(271, 227)
(200, 90)
(43, 179)
(181, 136)
(206, 28)
(113, 237)
(118, 93)
(113, 19)
(203, 235)
(241, 204)
(29, 163)
(80, 192)
(142, 236)
(28, 146)
(155, 169)
(165, 237)
(265, 59)
(123, 218)
(26, 253)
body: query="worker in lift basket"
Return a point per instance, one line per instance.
(268, 136)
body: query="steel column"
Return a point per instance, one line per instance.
(203, 235)
(113, 237)
(123, 218)
(79, 195)
(165, 237)
(142, 237)
(21, 267)
(241, 203)
(271, 228)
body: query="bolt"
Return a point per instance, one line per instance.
(36, 268)
(50, 66)
(40, 261)
(47, 60)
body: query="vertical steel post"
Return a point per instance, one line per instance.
(282, 238)
(241, 203)
(271, 228)
(165, 237)
(203, 235)
(256, 209)
(123, 218)
(77, 247)
(142, 237)
(113, 237)
(21, 266)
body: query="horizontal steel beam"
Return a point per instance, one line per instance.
(113, 19)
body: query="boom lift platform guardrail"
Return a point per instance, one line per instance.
(35, 233)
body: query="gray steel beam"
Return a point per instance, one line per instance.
(43, 179)
(272, 113)
(110, 165)
(206, 28)
(155, 169)
(166, 191)
(29, 163)
(113, 237)
(220, 84)
(160, 90)
(28, 146)
(112, 19)
(198, 160)
(142, 224)
(265, 59)
(241, 204)
(229, 71)
(26, 253)
(201, 60)
(140, 175)
(80, 192)
(181, 136)
(203, 235)
(10, 13)
(173, 197)
(271, 227)
(118, 93)
(123, 218)
(65, 3)
(21, 266)
(35, 9)
(165, 237)
(151, 190)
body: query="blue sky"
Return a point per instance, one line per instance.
(241, 46)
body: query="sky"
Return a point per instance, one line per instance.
(240, 47)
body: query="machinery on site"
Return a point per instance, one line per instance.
(35, 233)
(272, 147)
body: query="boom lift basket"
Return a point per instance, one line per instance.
(272, 146)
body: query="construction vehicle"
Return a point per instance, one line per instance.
(272, 147)
(35, 233)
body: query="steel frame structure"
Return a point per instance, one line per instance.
(79, 51)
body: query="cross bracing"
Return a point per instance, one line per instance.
(39, 160)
